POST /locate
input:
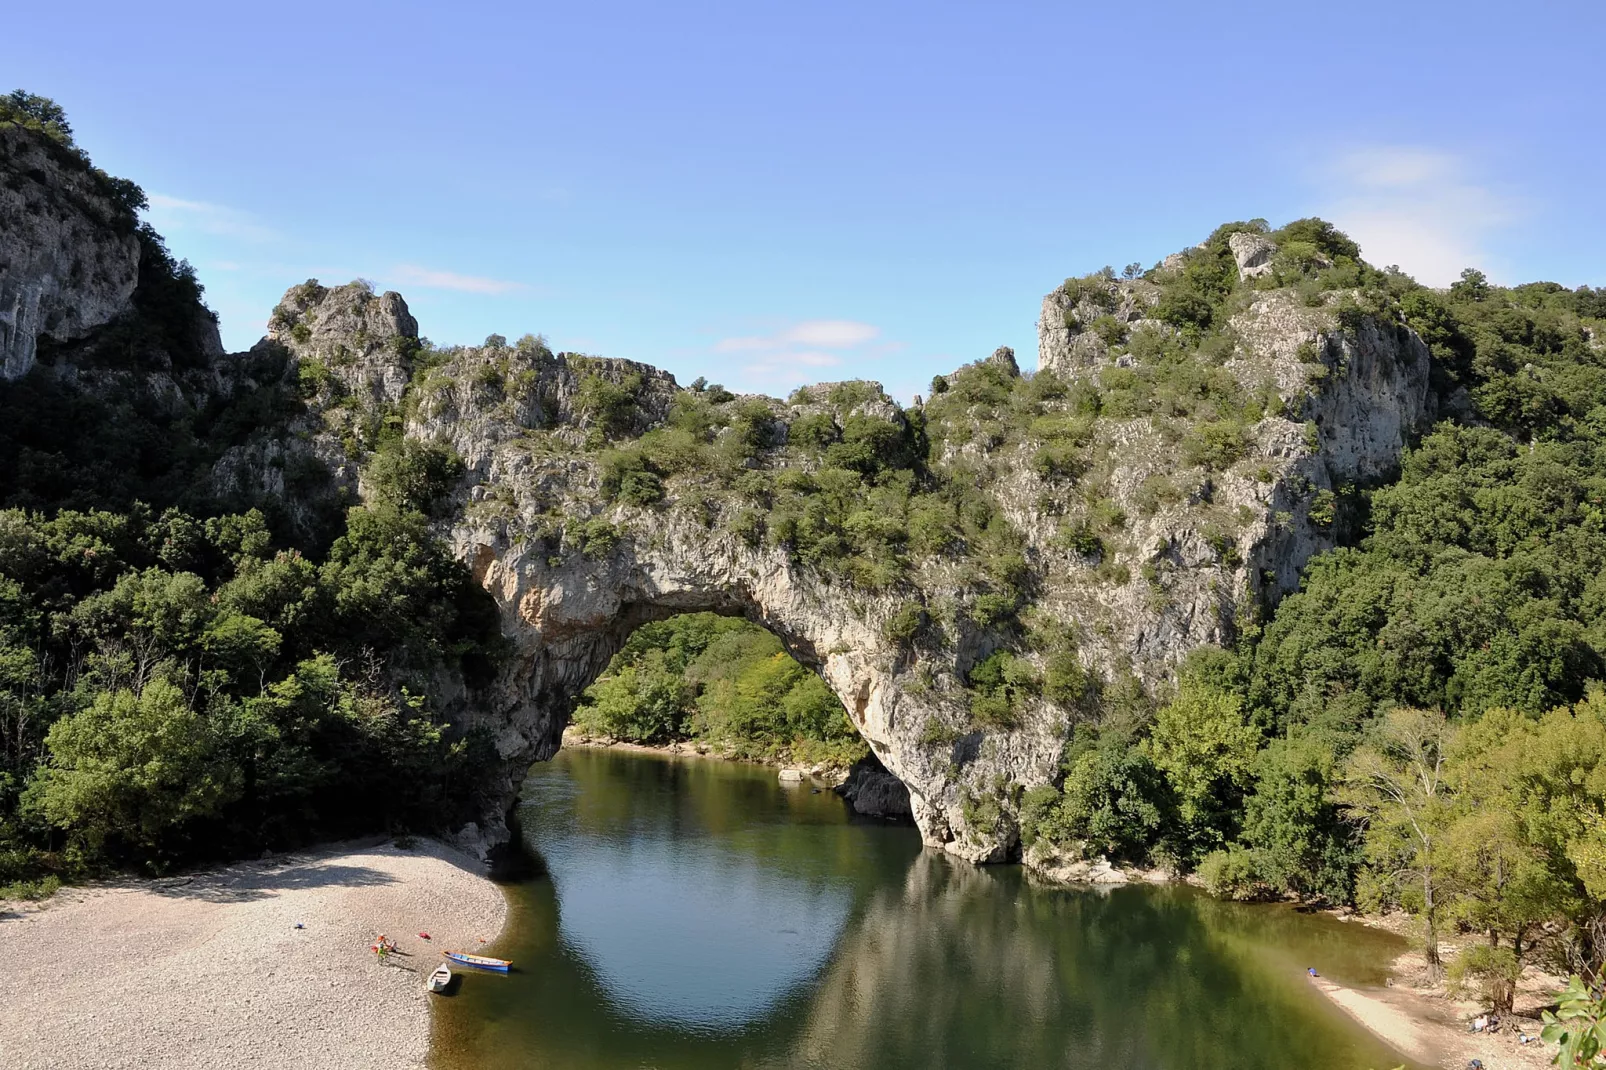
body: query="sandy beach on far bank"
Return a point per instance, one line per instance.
(1429, 1029)
(209, 970)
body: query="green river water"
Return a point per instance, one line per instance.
(694, 913)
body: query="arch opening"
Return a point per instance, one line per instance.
(716, 682)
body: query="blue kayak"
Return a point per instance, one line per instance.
(479, 961)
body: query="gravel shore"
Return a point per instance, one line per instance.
(1427, 1032)
(209, 970)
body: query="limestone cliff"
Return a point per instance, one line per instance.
(1153, 540)
(69, 257)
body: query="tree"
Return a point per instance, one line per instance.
(1115, 803)
(131, 769)
(1204, 746)
(36, 113)
(1500, 878)
(1293, 828)
(1395, 785)
(640, 702)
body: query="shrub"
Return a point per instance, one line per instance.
(411, 475)
(598, 536)
(1489, 974)
(815, 431)
(1080, 539)
(991, 609)
(1217, 444)
(1065, 681)
(608, 406)
(1000, 686)
(905, 623)
(1231, 874)
(628, 476)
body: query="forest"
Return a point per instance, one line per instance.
(187, 678)
(1422, 724)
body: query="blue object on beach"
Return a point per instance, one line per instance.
(300, 926)
(482, 962)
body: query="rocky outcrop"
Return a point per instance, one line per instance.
(1065, 345)
(1199, 546)
(69, 256)
(363, 339)
(1253, 253)
(874, 792)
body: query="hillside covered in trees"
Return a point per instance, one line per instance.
(1422, 723)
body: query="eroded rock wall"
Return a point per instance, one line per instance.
(69, 257)
(574, 569)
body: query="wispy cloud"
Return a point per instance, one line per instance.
(798, 352)
(1421, 208)
(177, 214)
(824, 334)
(430, 279)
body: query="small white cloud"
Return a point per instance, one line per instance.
(812, 360)
(1420, 208)
(413, 275)
(832, 334)
(177, 214)
(797, 353)
(828, 334)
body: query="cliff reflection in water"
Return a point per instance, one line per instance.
(695, 914)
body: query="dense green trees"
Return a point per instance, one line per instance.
(172, 688)
(1419, 725)
(723, 681)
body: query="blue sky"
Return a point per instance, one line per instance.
(772, 194)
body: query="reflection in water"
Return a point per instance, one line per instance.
(638, 906)
(695, 914)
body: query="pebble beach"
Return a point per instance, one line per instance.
(209, 970)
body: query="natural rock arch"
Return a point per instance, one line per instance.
(599, 494)
(567, 620)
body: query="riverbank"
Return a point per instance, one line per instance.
(575, 736)
(210, 970)
(1423, 1022)
(865, 786)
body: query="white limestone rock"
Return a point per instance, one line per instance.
(1253, 252)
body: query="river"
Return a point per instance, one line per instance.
(691, 913)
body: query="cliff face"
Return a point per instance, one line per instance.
(1201, 540)
(69, 257)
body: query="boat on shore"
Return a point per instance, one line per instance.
(479, 962)
(439, 979)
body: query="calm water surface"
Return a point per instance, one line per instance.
(693, 913)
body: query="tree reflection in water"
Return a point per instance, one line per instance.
(695, 914)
